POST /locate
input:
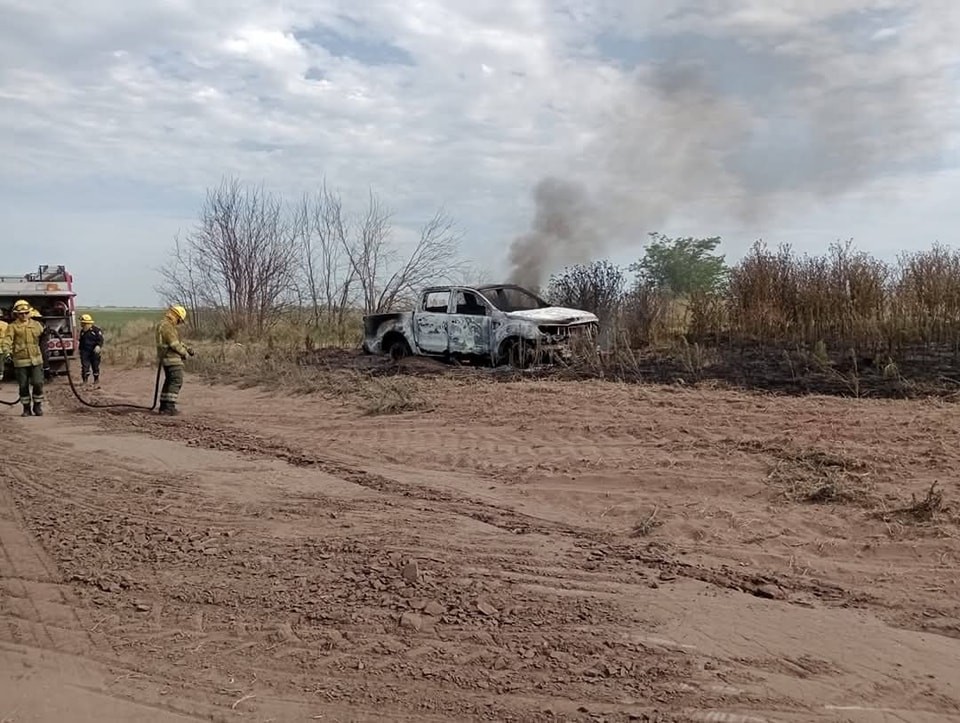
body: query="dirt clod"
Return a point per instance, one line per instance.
(434, 608)
(412, 621)
(411, 572)
(771, 592)
(283, 633)
(487, 608)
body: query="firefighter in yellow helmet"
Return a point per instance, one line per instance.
(3, 331)
(23, 341)
(170, 354)
(91, 345)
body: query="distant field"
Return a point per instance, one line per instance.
(128, 332)
(116, 317)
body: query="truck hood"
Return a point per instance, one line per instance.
(554, 315)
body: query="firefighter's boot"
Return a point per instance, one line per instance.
(172, 409)
(163, 407)
(27, 412)
(38, 409)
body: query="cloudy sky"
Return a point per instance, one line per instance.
(799, 122)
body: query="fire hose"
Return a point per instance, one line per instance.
(114, 405)
(5, 403)
(95, 405)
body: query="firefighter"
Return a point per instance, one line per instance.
(170, 354)
(91, 345)
(44, 349)
(3, 330)
(23, 341)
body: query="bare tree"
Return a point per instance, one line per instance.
(472, 274)
(328, 275)
(180, 283)
(239, 260)
(250, 257)
(368, 250)
(433, 258)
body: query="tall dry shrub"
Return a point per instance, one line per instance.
(841, 298)
(596, 287)
(926, 304)
(762, 295)
(708, 317)
(644, 316)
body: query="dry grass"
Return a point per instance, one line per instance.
(814, 476)
(846, 302)
(391, 395)
(927, 509)
(647, 525)
(845, 299)
(250, 365)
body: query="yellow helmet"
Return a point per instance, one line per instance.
(179, 312)
(21, 307)
(34, 314)
(86, 319)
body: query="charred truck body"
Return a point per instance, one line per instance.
(50, 292)
(492, 324)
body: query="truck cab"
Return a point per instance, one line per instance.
(49, 291)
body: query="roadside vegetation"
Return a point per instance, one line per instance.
(273, 282)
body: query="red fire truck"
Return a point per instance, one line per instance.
(49, 291)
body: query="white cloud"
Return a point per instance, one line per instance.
(451, 102)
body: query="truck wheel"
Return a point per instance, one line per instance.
(398, 349)
(520, 354)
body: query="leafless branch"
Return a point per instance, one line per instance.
(434, 259)
(239, 260)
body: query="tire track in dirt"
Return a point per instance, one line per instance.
(547, 598)
(606, 545)
(641, 557)
(38, 611)
(338, 617)
(442, 446)
(41, 620)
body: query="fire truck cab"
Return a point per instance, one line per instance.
(49, 291)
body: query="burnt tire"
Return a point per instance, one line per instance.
(520, 354)
(398, 349)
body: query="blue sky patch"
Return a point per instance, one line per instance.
(364, 50)
(728, 66)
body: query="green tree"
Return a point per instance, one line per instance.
(681, 266)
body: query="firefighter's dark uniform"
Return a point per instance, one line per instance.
(91, 341)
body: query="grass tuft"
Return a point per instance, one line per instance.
(817, 477)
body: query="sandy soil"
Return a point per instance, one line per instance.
(526, 551)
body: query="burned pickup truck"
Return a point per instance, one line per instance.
(493, 324)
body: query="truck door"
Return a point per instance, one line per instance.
(430, 322)
(469, 326)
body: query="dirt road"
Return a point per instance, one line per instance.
(511, 551)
